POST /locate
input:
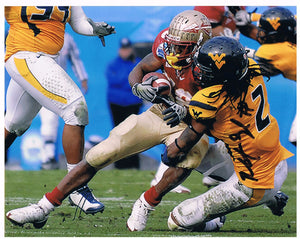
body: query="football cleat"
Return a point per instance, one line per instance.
(281, 201)
(31, 214)
(215, 224)
(178, 189)
(86, 201)
(139, 215)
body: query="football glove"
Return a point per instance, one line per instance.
(174, 113)
(172, 162)
(242, 18)
(101, 29)
(147, 92)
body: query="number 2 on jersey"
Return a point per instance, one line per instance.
(261, 123)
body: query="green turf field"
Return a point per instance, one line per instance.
(118, 190)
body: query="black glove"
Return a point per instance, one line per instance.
(101, 29)
(176, 113)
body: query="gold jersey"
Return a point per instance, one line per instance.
(281, 55)
(36, 29)
(252, 138)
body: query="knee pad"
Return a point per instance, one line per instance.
(76, 113)
(15, 128)
(187, 214)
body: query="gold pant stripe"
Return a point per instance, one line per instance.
(256, 197)
(26, 73)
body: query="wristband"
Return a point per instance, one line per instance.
(180, 149)
(197, 133)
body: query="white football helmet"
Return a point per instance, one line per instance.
(187, 32)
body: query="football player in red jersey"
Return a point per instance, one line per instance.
(233, 97)
(221, 19)
(173, 51)
(276, 32)
(35, 37)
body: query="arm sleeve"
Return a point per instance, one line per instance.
(79, 22)
(77, 64)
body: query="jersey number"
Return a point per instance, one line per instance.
(42, 17)
(261, 123)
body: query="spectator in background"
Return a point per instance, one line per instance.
(50, 120)
(122, 102)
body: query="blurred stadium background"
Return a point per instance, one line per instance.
(141, 25)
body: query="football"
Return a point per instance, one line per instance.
(161, 81)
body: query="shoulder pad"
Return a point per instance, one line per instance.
(202, 106)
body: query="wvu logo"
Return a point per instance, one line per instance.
(218, 59)
(196, 114)
(274, 22)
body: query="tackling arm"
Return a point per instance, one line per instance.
(177, 151)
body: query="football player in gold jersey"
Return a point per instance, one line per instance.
(35, 37)
(276, 32)
(233, 107)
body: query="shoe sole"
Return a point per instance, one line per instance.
(35, 224)
(13, 221)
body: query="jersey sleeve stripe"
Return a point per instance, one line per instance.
(202, 105)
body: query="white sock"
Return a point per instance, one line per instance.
(46, 205)
(71, 166)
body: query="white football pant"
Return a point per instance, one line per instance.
(227, 197)
(37, 80)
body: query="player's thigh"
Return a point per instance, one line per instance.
(49, 84)
(135, 134)
(21, 108)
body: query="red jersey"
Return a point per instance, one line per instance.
(183, 79)
(218, 15)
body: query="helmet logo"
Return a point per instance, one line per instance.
(274, 22)
(218, 59)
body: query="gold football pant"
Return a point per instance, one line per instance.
(140, 132)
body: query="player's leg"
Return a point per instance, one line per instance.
(196, 213)
(158, 175)
(135, 134)
(21, 108)
(216, 166)
(171, 178)
(51, 86)
(48, 129)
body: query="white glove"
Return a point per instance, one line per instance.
(101, 29)
(146, 91)
(250, 52)
(242, 18)
(227, 32)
